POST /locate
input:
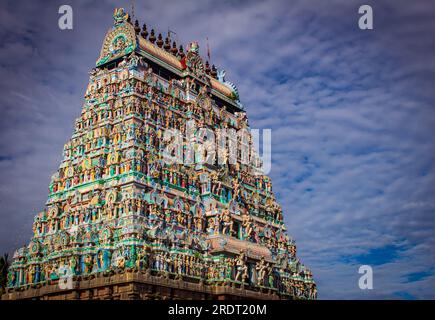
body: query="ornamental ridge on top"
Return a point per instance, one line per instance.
(122, 39)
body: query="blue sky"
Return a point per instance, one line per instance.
(351, 112)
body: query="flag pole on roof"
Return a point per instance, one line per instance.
(208, 50)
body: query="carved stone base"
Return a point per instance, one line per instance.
(136, 286)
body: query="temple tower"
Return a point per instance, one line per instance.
(159, 194)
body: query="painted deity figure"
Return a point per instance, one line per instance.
(236, 188)
(101, 264)
(178, 265)
(228, 270)
(211, 226)
(88, 263)
(261, 268)
(270, 276)
(198, 223)
(247, 227)
(241, 268)
(227, 222)
(31, 274)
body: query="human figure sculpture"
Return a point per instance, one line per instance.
(261, 268)
(89, 263)
(211, 226)
(241, 267)
(101, 263)
(247, 227)
(227, 222)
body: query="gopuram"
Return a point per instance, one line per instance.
(127, 217)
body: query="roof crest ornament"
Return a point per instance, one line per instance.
(120, 16)
(221, 77)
